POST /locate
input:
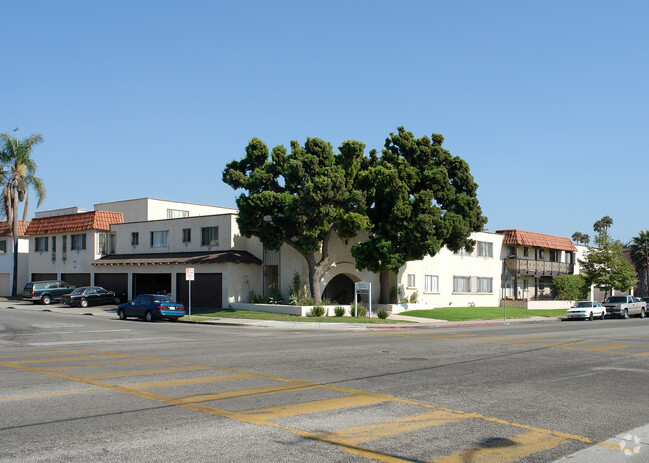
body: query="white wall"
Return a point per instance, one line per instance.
(445, 265)
(143, 209)
(7, 264)
(76, 261)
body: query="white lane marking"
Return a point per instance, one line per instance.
(106, 341)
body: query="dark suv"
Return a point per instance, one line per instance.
(46, 291)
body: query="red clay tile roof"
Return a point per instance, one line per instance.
(93, 220)
(539, 240)
(5, 228)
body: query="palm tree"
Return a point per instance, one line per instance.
(19, 177)
(640, 256)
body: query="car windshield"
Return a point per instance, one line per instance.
(163, 300)
(78, 291)
(616, 299)
(583, 304)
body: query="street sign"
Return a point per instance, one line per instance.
(189, 274)
(362, 287)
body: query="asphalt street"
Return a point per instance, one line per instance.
(77, 387)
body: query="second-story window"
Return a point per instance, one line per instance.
(103, 244)
(3, 246)
(40, 244)
(485, 249)
(64, 247)
(187, 235)
(135, 239)
(210, 236)
(176, 213)
(160, 239)
(53, 248)
(78, 242)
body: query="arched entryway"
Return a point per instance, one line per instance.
(340, 290)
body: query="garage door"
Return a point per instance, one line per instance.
(76, 279)
(151, 283)
(44, 276)
(5, 284)
(206, 290)
(116, 282)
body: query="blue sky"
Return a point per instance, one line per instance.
(548, 102)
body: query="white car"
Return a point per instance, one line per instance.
(586, 310)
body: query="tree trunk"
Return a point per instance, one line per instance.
(14, 234)
(387, 280)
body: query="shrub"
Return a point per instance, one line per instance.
(275, 297)
(298, 292)
(339, 311)
(382, 313)
(361, 311)
(571, 287)
(404, 300)
(317, 311)
(255, 298)
(414, 297)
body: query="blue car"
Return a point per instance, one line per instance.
(151, 307)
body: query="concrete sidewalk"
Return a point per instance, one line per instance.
(409, 322)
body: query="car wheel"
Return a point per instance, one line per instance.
(590, 317)
(642, 314)
(45, 300)
(121, 314)
(625, 315)
(83, 303)
(148, 317)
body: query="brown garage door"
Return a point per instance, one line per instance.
(76, 279)
(206, 290)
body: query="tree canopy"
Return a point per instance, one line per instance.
(300, 198)
(640, 255)
(604, 265)
(419, 198)
(411, 200)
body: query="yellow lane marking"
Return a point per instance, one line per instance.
(505, 450)
(358, 434)
(485, 338)
(305, 408)
(185, 382)
(72, 359)
(155, 371)
(50, 394)
(605, 348)
(641, 354)
(102, 365)
(524, 341)
(244, 393)
(565, 344)
(41, 354)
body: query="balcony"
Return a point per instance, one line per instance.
(538, 267)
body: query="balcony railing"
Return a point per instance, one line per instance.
(538, 267)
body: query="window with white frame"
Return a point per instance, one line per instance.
(431, 283)
(3, 246)
(485, 285)
(461, 284)
(210, 236)
(40, 243)
(411, 280)
(485, 249)
(103, 244)
(176, 213)
(78, 242)
(160, 239)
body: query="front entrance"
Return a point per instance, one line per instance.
(340, 290)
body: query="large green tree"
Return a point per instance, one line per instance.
(640, 256)
(604, 264)
(19, 170)
(419, 198)
(300, 198)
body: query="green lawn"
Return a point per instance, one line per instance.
(252, 315)
(456, 314)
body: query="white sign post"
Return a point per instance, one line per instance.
(362, 287)
(189, 276)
